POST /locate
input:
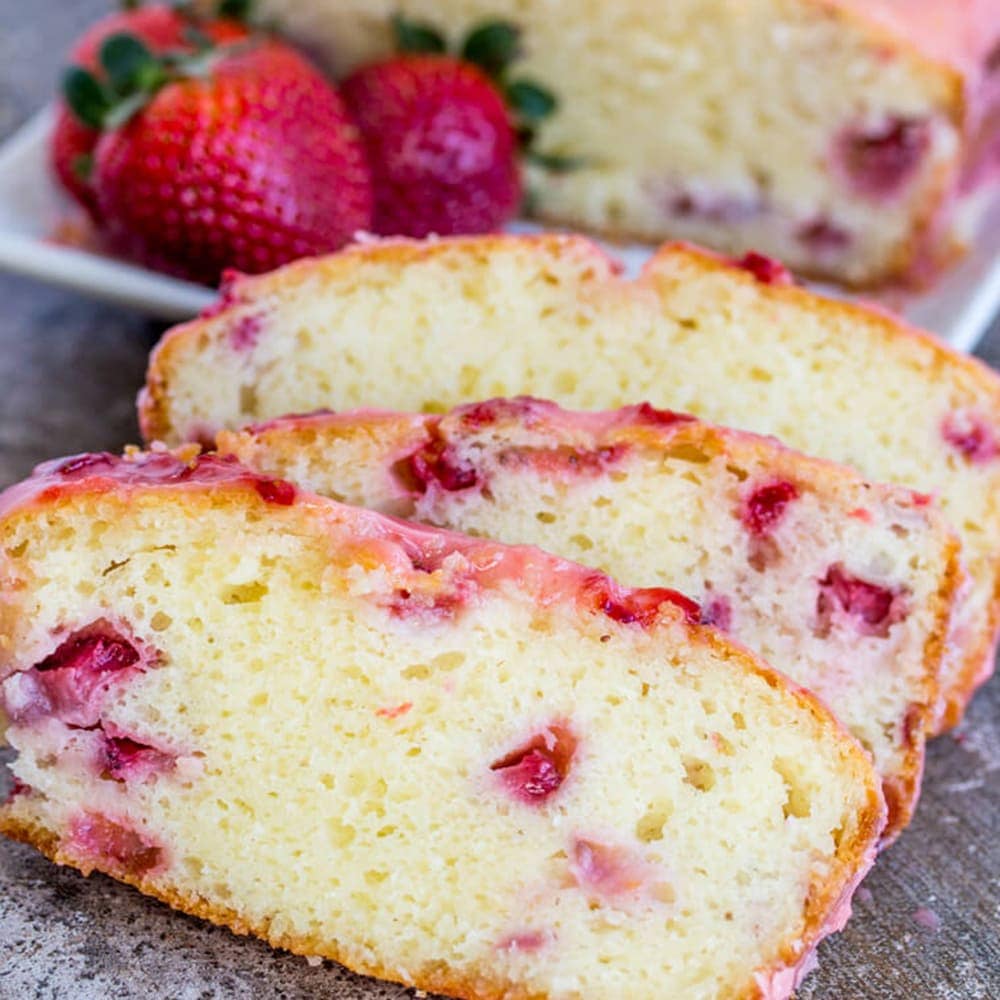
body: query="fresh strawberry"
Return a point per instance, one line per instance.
(244, 158)
(161, 28)
(440, 143)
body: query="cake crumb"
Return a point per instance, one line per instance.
(927, 919)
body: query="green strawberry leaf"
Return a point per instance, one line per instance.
(492, 46)
(530, 102)
(129, 64)
(413, 36)
(85, 96)
(554, 162)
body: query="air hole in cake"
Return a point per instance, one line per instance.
(244, 593)
(798, 802)
(764, 508)
(536, 770)
(699, 774)
(685, 452)
(970, 435)
(113, 846)
(870, 608)
(878, 162)
(650, 825)
(69, 682)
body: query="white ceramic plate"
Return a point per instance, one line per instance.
(959, 308)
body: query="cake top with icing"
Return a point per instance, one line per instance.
(963, 33)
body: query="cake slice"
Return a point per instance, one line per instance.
(852, 138)
(424, 326)
(848, 585)
(465, 767)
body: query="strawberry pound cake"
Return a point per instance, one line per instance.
(465, 767)
(847, 585)
(855, 139)
(424, 326)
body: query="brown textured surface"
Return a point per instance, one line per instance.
(69, 370)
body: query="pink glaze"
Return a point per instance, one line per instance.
(862, 514)
(536, 770)
(971, 435)
(871, 608)
(613, 873)
(105, 473)
(113, 846)
(765, 505)
(766, 270)
(71, 683)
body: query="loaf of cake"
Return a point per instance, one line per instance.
(854, 139)
(461, 766)
(424, 326)
(847, 585)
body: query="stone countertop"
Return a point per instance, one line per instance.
(69, 371)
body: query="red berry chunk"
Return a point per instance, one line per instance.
(766, 270)
(970, 434)
(523, 941)
(823, 236)
(276, 491)
(763, 509)
(646, 413)
(880, 162)
(718, 612)
(874, 608)
(125, 758)
(532, 772)
(438, 464)
(113, 846)
(641, 606)
(606, 870)
(68, 683)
